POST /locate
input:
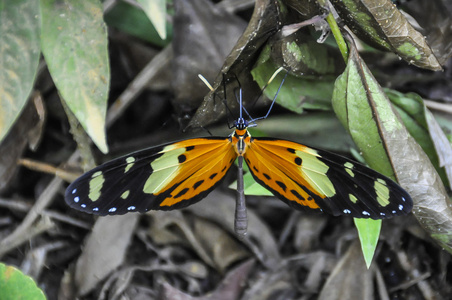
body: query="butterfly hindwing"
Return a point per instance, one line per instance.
(165, 177)
(308, 178)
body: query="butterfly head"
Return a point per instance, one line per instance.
(241, 124)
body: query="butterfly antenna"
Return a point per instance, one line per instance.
(240, 100)
(266, 85)
(277, 92)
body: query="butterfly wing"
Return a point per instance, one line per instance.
(308, 178)
(165, 177)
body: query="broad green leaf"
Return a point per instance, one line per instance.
(297, 93)
(134, 21)
(351, 104)
(74, 44)
(368, 232)
(363, 108)
(380, 23)
(19, 57)
(304, 56)
(16, 285)
(156, 11)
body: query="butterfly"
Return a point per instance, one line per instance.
(179, 174)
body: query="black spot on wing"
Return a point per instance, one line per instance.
(296, 194)
(281, 185)
(197, 184)
(298, 161)
(181, 158)
(181, 193)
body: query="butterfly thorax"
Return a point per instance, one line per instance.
(240, 138)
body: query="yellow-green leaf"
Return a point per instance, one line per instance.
(74, 44)
(368, 232)
(19, 57)
(156, 12)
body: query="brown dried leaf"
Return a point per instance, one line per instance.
(434, 18)
(230, 288)
(220, 208)
(104, 251)
(350, 278)
(26, 130)
(381, 24)
(222, 247)
(203, 37)
(263, 24)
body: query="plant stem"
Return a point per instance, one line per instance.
(335, 30)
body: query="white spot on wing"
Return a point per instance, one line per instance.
(131, 208)
(113, 209)
(96, 209)
(366, 213)
(347, 211)
(400, 207)
(75, 191)
(83, 205)
(76, 199)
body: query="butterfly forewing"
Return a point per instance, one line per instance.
(308, 178)
(163, 178)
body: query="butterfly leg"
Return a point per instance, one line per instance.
(241, 219)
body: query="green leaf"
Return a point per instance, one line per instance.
(156, 11)
(15, 285)
(19, 57)
(134, 21)
(368, 232)
(297, 93)
(362, 107)
(74, 44)
(351, 104)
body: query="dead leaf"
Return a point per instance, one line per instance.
(350, 278)
(203, 37)
(380, 23)
(104, 251)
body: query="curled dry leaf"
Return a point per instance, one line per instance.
(203, 37)
(434, 18)
(262, 25)
(380, 23)
(425, 129)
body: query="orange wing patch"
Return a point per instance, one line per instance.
(278, 169)
(200, 168)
